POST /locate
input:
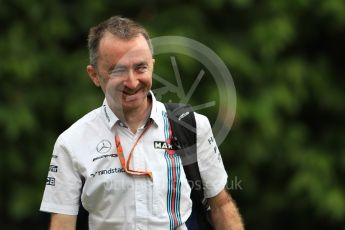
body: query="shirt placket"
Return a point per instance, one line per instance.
(142, 188)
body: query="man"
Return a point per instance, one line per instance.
(108, 158)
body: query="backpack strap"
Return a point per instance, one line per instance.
(183, 125)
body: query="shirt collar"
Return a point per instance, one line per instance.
(108, 114)
(156, 114)
(112, 119)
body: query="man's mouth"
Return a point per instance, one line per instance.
(131, 95)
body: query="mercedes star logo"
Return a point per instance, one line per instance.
(104, 146)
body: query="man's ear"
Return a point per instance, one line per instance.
(92, 72)
(153, 63)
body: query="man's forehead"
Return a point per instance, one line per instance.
(120, 50)
(134, 56)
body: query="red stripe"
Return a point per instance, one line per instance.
(174, 190)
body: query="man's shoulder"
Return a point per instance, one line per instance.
(90, 120)
(201, 118)
(202, 121)
(160, 106)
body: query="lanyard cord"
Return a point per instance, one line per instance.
(121, 156)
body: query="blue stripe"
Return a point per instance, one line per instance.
(176, 192)
(178, 188)
(169, 192)
(169, 173)
(170, 184)
(166, 126)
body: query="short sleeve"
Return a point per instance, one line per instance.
(212, 171)
(63, 185)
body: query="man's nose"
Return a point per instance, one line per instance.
(131, 81)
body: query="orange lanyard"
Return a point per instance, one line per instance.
(122, 158)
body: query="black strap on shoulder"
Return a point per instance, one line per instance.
(183, 125)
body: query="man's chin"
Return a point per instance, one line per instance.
(128, 107)
(132, 102)
(132, 98)
(139, 96)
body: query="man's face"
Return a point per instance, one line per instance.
(124, 72)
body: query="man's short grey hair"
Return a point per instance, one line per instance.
(120, 27)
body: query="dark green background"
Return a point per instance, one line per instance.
(286, 59)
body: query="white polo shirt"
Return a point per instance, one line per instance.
(86, 153)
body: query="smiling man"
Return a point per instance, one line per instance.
(123, 69)
(109, 159)
(124, 72)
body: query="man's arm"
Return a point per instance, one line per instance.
(63, 222)
(224, 212)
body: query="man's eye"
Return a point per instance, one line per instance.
(117, 72)
(142, 68)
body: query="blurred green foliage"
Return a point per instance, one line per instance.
(286, 59)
